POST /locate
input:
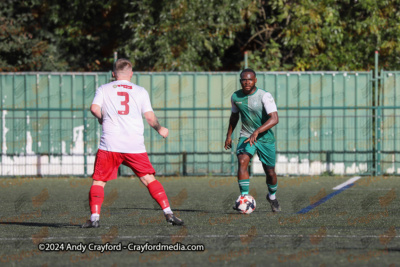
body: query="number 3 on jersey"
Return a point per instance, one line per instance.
(124, 103)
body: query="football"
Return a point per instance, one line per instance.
(245, 204)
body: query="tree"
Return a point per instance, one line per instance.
(202, 35)
(60, 35)
(182, 35)
(22, 46)
(86, 32)
(324, 35)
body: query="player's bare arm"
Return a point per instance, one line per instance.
(271, 122)
(96, 111)
(233, 120)
(153, 122)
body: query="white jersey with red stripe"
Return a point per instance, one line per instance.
(122, 105)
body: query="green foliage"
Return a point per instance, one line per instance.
(325, 35)
(22, 46)
(86, 32)
(186, 35)
(182, 35)
(60, 35)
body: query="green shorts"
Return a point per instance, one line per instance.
(265, 151)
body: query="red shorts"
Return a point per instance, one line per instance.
(107, 163)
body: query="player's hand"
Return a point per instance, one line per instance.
(228, 143)
(163, 132)
(252, 139)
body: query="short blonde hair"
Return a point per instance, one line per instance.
(122, 65)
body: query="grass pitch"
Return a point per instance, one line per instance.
(359, 226)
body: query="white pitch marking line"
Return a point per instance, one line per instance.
(192, 236)
(350, 181)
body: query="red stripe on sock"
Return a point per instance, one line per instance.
(96, 197)
(157, 192)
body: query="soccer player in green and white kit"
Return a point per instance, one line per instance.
(259, 114)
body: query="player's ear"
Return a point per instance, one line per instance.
(255, 80)
(113, 74)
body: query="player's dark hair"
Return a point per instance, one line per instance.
(121, 64)
(248, 70)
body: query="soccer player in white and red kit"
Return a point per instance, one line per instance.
(119, 107)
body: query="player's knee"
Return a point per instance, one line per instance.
(100, 183)
(270, 173)
(243, 161)
(243, 165)
(148, 178)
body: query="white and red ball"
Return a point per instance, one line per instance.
(245, 204)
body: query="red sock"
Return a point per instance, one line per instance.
(96, 197)
(157, 192)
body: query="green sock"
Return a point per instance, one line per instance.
(244, 186)
(272, 190)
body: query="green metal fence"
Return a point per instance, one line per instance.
(330, 122)
(388, 112)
